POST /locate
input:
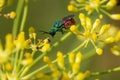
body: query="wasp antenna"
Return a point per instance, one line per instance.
(44, 32)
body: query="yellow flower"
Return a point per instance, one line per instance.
(78, 57)
(115, 16)
(91, 6)
(96, 24)
(115, 50)
(56, 74)
(93, 32)
(82, 76)
(45, 41)
(76, 64)
(9, 44)
(28, 59)
(20, 42)
(99, 51)
(32, 33)
(71, 58)
(67, 72)
(2, 2)
(88, 23)
(111, 4)
(50, 64)
(12, 14)
(45, 48)
(8, 66)
(39, 75)
(94, 36)
(60, 60)
(117, 37)
(5, 53)
(72, 8)
(109, 40)
(82, 19)
(65, 76)
(74, 29)
(104, 29)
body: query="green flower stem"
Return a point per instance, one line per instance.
(105, 12)
(34, 72)
(85, 56)
(103, 1)
(1, 74)
(61, 40)
(43, 54)
(20, 59)
(91, 53)
(38, 70)
(17, 19)
(80, 5)
(16, 61)
(80, 46)
(24, 16)
(22, 69)
(33, 53)
(117, 69)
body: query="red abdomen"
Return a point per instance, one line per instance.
(69, 22)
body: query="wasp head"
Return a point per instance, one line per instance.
(52, 32)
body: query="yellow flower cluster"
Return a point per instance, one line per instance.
(14, 56)
(10, 15)
(116, 48)
(7, 51)
(41, 45)
(71, 71)
(92, 32)
(94, 5)
(2, 3)
(28, 59)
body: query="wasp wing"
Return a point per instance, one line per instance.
(67, 18)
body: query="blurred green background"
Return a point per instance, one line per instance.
(42, 14)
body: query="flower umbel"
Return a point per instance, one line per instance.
(14, 58)
(71, 71)
(93, 33)
(92, 6)
(37, 44)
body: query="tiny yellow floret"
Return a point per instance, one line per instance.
(109, 40)
(12, 14)
(72, 8)
(96, 24)
(8, 66)
(39, 75)
(115, 50)
(115, 16)
(71, 57)
(60, 60)
(99, 51)
(20, 42)
(104, 29)
(74, 29)
(75, 67)
(45, 48)
(46, 59)
(80, 76)
(78, 57)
